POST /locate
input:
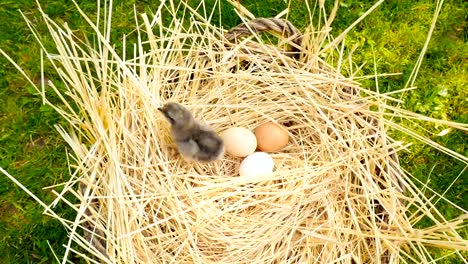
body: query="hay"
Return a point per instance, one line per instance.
(337, 195)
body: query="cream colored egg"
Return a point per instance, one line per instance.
(271, 137)
(239, 141)
(256, 164)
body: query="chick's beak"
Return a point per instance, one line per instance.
(166, 115)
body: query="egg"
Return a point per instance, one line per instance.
(271, 137)
(239, 141)
(256, 164)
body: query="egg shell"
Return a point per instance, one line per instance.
(256, 164)
(239, 141)
(271, 137)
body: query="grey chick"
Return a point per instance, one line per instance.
(194, 140)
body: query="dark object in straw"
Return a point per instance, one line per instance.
(280, 27)
(92, 233)
(195, 141)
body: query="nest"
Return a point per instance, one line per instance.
(337, 193)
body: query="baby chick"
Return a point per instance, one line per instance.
(194, 140)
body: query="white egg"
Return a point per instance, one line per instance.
(256, 164)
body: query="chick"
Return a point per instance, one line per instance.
(194, 140)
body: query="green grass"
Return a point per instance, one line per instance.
(32, 151)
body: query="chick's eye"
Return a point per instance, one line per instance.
(167, 115)
(171, 120)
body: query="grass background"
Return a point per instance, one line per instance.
(34, 153)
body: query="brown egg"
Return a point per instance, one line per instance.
(271, 137)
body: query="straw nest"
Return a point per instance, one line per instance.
(337, 193)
